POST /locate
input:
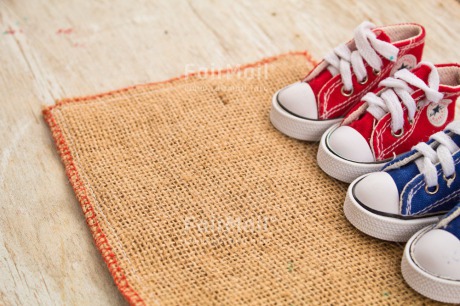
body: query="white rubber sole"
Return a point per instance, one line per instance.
(296, 127)
(382, 227)
(433, 287)
(339, 168)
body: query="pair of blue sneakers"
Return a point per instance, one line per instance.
(415, 198)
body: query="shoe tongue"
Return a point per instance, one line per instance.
(422, 72)
(381, 35)
(456, 139)
(365, 123)
(317, 83)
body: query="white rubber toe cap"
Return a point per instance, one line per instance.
(378, 191)
(299, 100)
(438, 253)
(348, 143)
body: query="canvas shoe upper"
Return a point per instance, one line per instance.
(405, 109)
(304, 110)
(431, 260)
(412, 191)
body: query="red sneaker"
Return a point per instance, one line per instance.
(405, 110)
(304, 110)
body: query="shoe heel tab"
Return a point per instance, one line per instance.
(404, 33)
(452, 65)
(449, 74)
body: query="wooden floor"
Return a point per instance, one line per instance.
(53, 49)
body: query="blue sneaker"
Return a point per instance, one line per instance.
(431, 260)
(411, 192)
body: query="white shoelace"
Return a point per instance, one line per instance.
(397, 87)
(443, 155)
(368, 48)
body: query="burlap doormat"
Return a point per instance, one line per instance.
(193, 198)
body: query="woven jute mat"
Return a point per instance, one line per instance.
(193, 198)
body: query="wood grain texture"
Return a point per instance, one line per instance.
(54, 49)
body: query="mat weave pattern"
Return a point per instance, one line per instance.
(193, 198)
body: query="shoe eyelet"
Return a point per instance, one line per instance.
(398, 134)
(411, 121)
(447, 179)
(363, 81)
(427, 190)
(346, 93)
(376, 72)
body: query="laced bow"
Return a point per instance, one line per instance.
(397, 88)
(368, 47)
(444, 149)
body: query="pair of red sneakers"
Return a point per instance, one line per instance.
(369, 100)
